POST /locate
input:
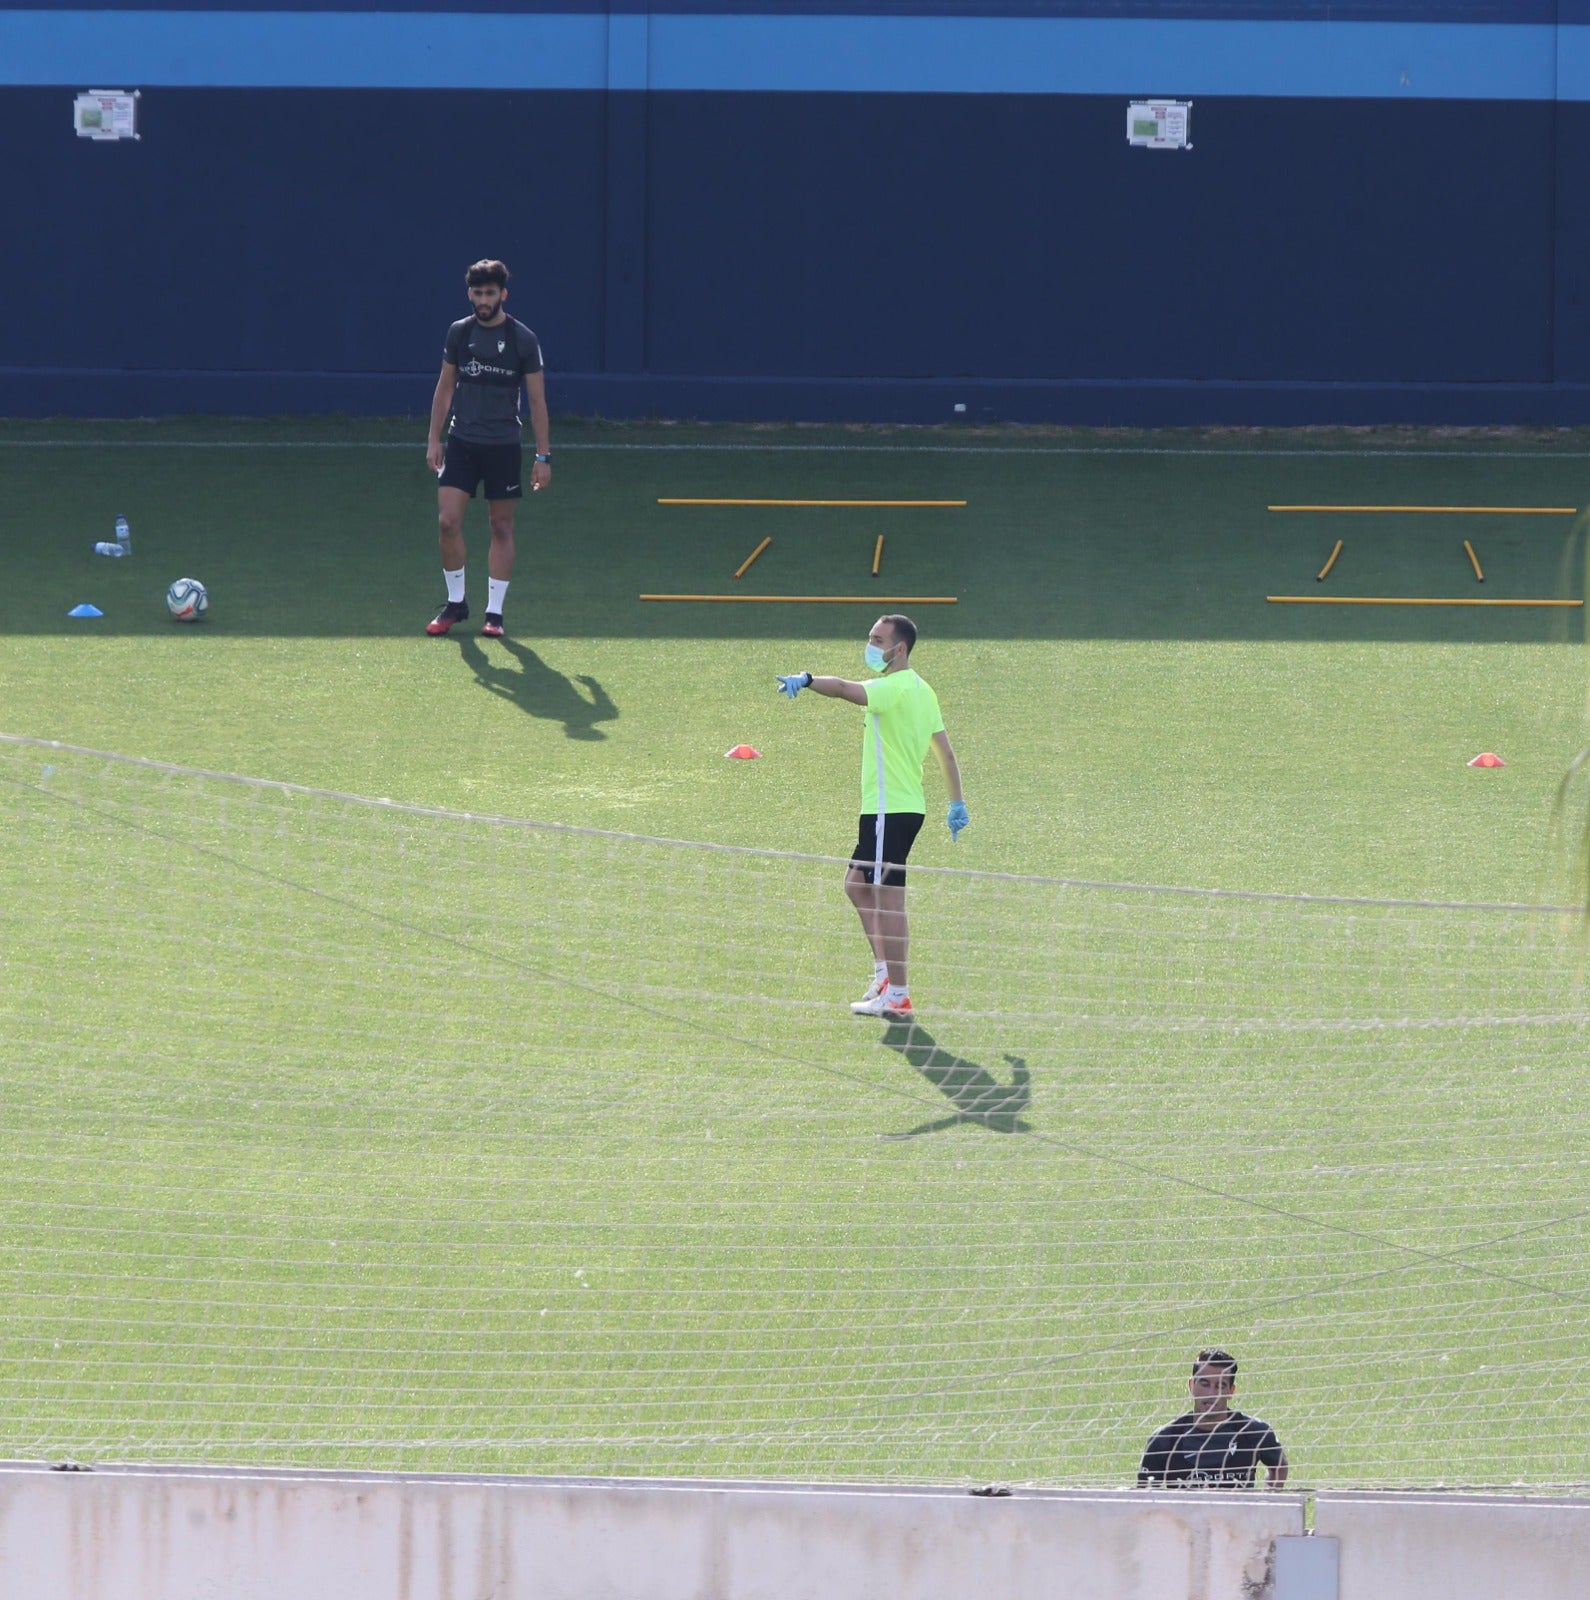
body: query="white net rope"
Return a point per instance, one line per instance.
(342, 1133)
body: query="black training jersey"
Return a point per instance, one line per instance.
(1225, 1456)
(492, 363)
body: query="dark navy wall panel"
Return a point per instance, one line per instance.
(1383, 214)
(927, 236)
(297, 230)
(1571, 227)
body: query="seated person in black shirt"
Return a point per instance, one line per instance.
(1212, 1446)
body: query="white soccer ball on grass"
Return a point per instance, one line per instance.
(187, 600)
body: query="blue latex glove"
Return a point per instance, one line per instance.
(957, 819)
(793, 683)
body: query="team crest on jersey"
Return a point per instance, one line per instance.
(502, 344)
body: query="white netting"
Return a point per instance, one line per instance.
(342, 1133)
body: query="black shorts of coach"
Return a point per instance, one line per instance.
(900, 829)
(499, 466)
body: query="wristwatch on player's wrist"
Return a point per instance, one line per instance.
(547, 457)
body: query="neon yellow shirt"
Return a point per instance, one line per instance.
(902, 715)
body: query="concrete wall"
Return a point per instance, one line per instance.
(145, 1535)
(1458, 1547)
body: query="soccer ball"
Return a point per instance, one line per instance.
(187, 600)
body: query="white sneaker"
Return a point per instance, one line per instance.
(881, 1006)
(874, 989)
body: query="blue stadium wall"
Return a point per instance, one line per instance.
(875, 210)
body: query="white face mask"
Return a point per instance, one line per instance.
(876, 657)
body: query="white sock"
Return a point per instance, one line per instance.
(898, 992)
(455, 585)
(496, 593)
(880, 971)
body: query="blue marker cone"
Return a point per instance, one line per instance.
(85, 610)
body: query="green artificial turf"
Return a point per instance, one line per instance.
(343, 1134)
(1125, 702)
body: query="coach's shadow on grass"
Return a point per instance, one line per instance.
(978, 1097)
(540, 690)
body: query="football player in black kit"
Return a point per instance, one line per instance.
(1212, 1446)
(487, 357)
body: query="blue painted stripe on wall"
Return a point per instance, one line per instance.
(1573, 63)
(628, 47)
(776, 53)
(1476, 11)
(306, 50)
(1015, 56)
(1509, 11)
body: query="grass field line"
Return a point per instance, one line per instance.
(1193, 1325)
(906, 1095)
(1501, 453)
(1158, 1026)
(1276, 1302)
(443, 813)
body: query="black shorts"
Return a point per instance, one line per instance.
(499, 466)
(900, 829)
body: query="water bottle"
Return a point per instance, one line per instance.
(124, 535)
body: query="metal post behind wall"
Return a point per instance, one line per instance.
(1306, 1567)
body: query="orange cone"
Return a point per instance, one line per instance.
(743, 752)
(1486, 759)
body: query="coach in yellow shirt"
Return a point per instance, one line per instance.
(902, 722)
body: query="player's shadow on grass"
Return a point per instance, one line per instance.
(541, 690)
(978, 1097)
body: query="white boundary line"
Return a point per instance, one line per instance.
(281, 786)
(1217, 451)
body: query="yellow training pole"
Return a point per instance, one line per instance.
(811, 502)
(739, 571)
(1467, 511)
(1324, 572)
(816, 599)
(877, 555)
(1388, 600)
(1474, 561)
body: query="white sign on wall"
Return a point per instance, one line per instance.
(1160, 124)
(106, 114)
